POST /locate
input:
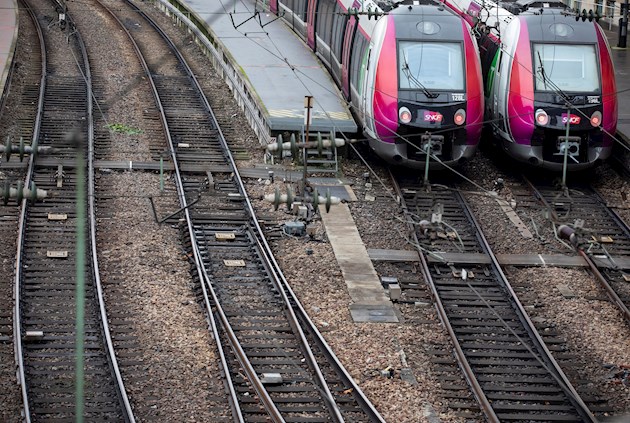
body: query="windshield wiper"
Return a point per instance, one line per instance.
(415, 80)
(541, 69)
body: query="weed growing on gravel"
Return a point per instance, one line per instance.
(123, 129)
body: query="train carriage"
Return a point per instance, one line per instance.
(547, 71)
(410, 71)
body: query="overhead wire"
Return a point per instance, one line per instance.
(293, 68)
(406, 138)
(531, 351)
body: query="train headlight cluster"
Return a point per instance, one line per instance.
(596, 118)
(460, 117)
(404, 114)
(542, 118)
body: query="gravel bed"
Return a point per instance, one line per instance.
(366, 348)
(592, 326)
(162, 302)
(144, 270)
(146, 273)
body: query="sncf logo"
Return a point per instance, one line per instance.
(573, 119)
(432, 116)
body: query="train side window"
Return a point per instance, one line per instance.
(320, 22)
(328, 18)
(300, 9)
(339, 24)
(360, 44)
(288, 4)
(324, 20)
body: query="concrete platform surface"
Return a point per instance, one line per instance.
(370, 303)
(8, 39)
(277, 64)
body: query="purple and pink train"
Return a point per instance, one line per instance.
(545, 69)
(413, 75)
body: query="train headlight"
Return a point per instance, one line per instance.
(541, 117)
(596, 118)
(404, 114)
(460, 117)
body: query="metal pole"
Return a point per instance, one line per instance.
(308, 103)
(623, 29)
(566, 150)
(80, 279)
(426, 164)
(161, 174)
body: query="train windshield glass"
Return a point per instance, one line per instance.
(566, 67)
(430, 66)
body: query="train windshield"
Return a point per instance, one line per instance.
(430, 66)
(566, 67)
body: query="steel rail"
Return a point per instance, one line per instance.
(111, 354)
(240, 353)
(279, 279)
(243, 360)
(540, 343)
(543, 355)
(330, 402)
(182, 199)
(601, 279)
(459, 352)
(17, 322)
(21, 231)
(347, 379)
(605, 285)
(272, 267)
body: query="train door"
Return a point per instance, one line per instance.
(345, 55)
(365, 92)
(310, 23)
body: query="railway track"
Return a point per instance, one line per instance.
(506, 362)
(55, 269)
(593, 228)
(218, 212)
(25, 88)
(271, 369)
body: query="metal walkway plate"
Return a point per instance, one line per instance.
(373, 313)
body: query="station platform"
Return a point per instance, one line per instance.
(8, 40)
(273, 64)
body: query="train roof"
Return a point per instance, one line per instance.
(551, 25)
(409, 13)
(439, 22)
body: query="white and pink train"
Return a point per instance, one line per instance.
(414, 70)
(545, 68)
(411, 73)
